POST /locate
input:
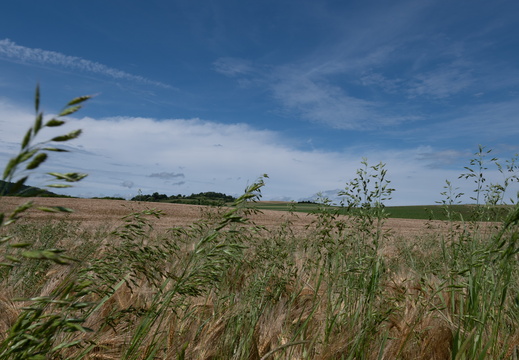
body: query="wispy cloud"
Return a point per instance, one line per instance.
(315, 96)
(308, 91)
(486, 123)
(323, 86)
(440, 83)
(436, 159)
(232, 66)
(321, 102)
(391, 65)
(10, 50)
(167, 176)
(390, 86)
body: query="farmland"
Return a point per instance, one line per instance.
(173, 281)
(93, 213)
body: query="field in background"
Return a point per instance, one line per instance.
(428, 212)
(101, 212)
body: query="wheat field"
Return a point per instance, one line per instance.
(169, 281)
(95, 212)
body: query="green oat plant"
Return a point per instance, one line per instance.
(31, 155)
(489, 198)
(482, 291)
(483, 267)
(365, 196)
(33, 334)
(471, 271)
(338, 275)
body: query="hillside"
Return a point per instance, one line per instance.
(6, 189)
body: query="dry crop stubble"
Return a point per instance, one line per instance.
(95, 212)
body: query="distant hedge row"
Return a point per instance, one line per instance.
(203, 198)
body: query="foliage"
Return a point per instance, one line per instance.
(365, 196)
(109, 198)
(203, 198)
(489, 195)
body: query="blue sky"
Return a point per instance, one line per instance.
(208, 95)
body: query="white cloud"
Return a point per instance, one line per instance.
(15, 121)
(11, 50)
(119, 154)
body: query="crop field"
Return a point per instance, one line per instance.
(170, 281)
(94, 213)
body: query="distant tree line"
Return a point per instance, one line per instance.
(109, 198)
(203, 198)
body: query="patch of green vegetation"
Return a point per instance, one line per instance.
(287, 206)
(418, 212)
(459, 212)
(204, 198)
(109, 198)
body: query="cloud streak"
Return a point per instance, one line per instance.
(232, 67)
(10, 50)
(319, 101)
(167, 176)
